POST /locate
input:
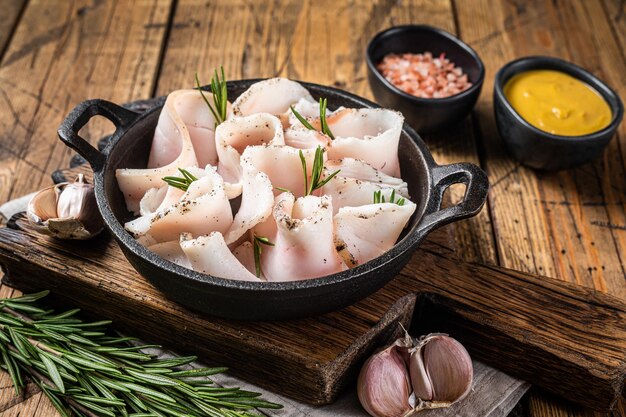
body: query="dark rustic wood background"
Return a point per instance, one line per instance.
(570, 225)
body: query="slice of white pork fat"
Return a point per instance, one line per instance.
(185, 108)
(273, 96)
(172, 148)
(156, 198)
(257, 201)
(303, 243)
(245, 254)
(305, 138)
(356, 183)
(172, 252)
(210, 255)
(371, 135)
(282, 165)
(203, 208)
(233, 136)
(366, 232)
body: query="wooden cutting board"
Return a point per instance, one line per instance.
(564, 338)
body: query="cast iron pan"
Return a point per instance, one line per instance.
(129, 148)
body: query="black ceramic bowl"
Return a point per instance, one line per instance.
(542, 150)
(424, 114)
(129, 148)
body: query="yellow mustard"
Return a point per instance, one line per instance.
(557, 103)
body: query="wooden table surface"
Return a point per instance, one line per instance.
(570, 225)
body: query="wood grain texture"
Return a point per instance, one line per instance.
(553, 334)
(565, 225)
(11, 12)
(59, 54)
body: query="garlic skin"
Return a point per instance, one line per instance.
(441, 371)
(383, 386)
(66, 211)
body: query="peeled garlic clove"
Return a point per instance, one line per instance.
(441, 371)
(66, 211)
(383, 386)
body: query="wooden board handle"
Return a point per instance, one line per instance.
(567, 339)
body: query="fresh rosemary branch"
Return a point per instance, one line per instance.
(316, 172)
(380, 198)
(181, 183)
(258, 241)
(87, 372)
(323, 123)
(220, 96)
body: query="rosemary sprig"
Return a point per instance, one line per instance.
(316, 172)
(323, 123)
(86, 372)
(301, 118)
(258, 241)
(181, 183)
(220, 96)
(380, 198)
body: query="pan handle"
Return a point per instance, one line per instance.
(477, 186)
(80, 116)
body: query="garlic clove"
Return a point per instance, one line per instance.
(419, 377)
(66, 211)
(78, 200)
(42, 206)
(383, 386)
(441, 371)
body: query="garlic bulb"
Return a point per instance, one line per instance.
(441, 371)
(437, 370)
(383, 386)
(66, 210)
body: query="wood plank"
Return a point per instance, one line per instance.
(11, 12)
(567, 224)
(102, 49)
(562, 337)
(60, 54)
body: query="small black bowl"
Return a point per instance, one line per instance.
(542, 150)
(424, 114)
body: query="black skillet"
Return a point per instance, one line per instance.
(129, 148)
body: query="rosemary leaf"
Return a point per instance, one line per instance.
(323, 123)
(219, 91)
(11, 368)
(316, 172)
(301, 119)
(284, 190)
(380, 198)
(256, 245)
(181, 183)
(27, 298)
(199, 372)
(53, 371)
